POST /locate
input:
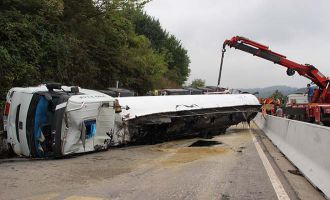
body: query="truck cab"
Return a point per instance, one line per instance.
(53, 120)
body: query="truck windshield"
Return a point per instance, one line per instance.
(41, 126)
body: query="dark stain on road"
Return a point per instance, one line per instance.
(205, 143)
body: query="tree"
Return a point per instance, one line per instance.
(277, 95)
(90, 43)
(26, 28)
(198, 83)
(176, 56)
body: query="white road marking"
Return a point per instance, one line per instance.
(277, 185)
(48, 196)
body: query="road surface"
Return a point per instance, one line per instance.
(242, 164)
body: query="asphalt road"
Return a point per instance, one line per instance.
(231, 167)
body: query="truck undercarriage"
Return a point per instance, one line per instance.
(203, 123)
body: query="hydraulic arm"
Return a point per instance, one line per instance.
(262, 51)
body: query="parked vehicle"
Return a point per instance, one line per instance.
(175, 92)
(193, 91)
(118, 92)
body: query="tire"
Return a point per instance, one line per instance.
(10, 152)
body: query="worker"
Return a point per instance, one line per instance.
(263, 110)
(273, 110)
(309, 92)
(279, 112)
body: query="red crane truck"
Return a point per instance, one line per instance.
(318, 110)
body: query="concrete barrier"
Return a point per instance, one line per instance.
(306, 145)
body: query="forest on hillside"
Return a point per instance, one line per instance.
(90, 43)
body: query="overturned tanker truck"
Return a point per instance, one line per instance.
(53, 120)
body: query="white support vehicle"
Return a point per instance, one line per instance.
(296, 107)
(53, 120)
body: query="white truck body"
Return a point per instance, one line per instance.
(297, 98)
(68, 122)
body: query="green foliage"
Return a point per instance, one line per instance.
(277, 95)
(2, 106)
(198, 83)
(87, 43)
(176, 56)
(20, 50)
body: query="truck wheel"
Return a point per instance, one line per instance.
(326, 123)
(205, 134)
(10, 152)
(222, 131)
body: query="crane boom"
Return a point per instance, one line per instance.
(263, 51)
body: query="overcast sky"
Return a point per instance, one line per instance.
(299, 29)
